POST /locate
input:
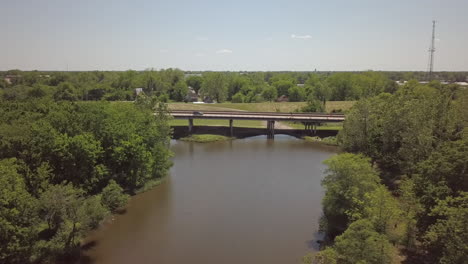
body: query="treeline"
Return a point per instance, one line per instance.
(173, 85)
(64, 166)
(401, 193)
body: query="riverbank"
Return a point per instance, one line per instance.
(205, 138)
(331, 141)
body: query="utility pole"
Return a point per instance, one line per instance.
(431, 52)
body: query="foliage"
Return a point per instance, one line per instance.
(113, 197)
(349, 179)
(17, 215)
(214, 86)
(56, 159)
(447, 239)
(360, 243)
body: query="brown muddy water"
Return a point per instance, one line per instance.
(245, 201)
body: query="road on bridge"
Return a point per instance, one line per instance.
(266, 116)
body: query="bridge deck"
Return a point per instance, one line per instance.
(267, 116)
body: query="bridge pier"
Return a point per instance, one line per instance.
(311, 127)
(231, 127)
(190, 126)
(270, 129)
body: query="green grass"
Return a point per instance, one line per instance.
(217, 122)
(286, 107)
(204, 138)
(327, 140)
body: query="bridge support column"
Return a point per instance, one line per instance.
(190, 126)
(270, 129)
(231, 127)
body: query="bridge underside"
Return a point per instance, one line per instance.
(244, 132)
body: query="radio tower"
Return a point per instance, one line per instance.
(431, 51)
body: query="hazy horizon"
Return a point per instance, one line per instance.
(53, 35)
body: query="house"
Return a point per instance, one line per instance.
(191, 96)
(11, 78)
(138, 91)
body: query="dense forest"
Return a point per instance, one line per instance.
(65, 166)
(237, 87)
(400, 192)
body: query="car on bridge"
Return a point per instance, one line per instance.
(196, 113)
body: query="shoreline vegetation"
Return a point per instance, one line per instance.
(206, 138)
(330, 141)
(400, 187)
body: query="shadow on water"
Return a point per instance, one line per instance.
(316, 243)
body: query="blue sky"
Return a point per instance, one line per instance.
(232, 35)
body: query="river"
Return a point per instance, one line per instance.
(245, 201)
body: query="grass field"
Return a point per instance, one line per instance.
(260, 107)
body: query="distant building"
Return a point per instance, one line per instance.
(282, 99)
(462, 83)
(11, 78)
(191, 96)
(300, 85)
(138, 91)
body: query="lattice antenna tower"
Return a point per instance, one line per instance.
(431, 52)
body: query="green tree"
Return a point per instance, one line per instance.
(195, 82)
(348, 181)
(215, 86)
(179, 91)
(447, 239)
(296, 94)
(283, 86)
(112, 196)
(269, 93)
(17, 215)
(238, 98)
(360, 243)
(65, 92)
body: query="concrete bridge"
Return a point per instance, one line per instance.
(310, 120)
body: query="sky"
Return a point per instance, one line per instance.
(251, 35)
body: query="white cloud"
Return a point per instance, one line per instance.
(163, 51)
(201, 38)
(301, 36)
(199, 54)
(221, 51)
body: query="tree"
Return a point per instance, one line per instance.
(442, 175)
(179, 91)
(447, 239)
(17, 215)
(214, 86)
(360, 243)
(269, 93)
(195, 82)
(383, 210)
(238, 98)
(296, 94)
(112, 196)
(349, 179)
(282, 86)
(65, 92)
